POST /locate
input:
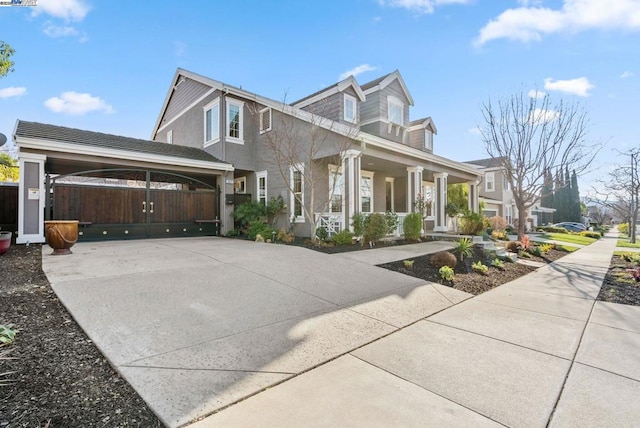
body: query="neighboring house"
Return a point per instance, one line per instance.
(497, 197)
(213, 142)
(385, 161)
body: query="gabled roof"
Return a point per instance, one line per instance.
(423, 123)
(384, 81)
(54, 133)
(487, 163)
(330, 90)
(280, 106)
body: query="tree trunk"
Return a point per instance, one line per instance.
(522, 220)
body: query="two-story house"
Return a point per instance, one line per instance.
(346, 149)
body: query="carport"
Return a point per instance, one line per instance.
(116, 187)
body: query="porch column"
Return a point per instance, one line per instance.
(351, 176)
(441, 201)
(414, 186)
(31, 197)
(473, 195)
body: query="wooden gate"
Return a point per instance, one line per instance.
(109, 206)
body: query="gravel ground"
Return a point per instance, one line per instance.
(619, 286)
(60, 377)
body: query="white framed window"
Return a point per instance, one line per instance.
(508, 214)
(490, 213)
(389, 193)
(395, 112)
(261, 187)
(350, 109)
(505, 183)
(297, 192)
(170, 137)
(212, 122)
(265, 120)
(490, 181)
(336, 189)
(240, 185)
(428, 194)
(428, 139)
(235, 121)
(366, 191)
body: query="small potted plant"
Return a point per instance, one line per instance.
(5, 241)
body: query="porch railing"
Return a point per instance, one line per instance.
(332, 222)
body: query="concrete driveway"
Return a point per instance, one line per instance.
(197, 324)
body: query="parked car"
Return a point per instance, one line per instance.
(571, 226)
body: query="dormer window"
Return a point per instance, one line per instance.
(428, 140)
(395, 112)
(350, 109)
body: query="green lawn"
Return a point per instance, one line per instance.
(627, 244)
(565, 237)
(567, 248)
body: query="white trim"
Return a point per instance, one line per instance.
(170, 137)
(240, 104)
(428, 139)
(335, 170)
(490, 177)
(351, 98)
(23, 238)
(369, 175)
(338, 87)
(261, 113)
(102, 152)
(386, 81)
(186, 109)
(391, 180)
(292, 198)
(259, 175)
(374, 120)
(214, 138)
(426, 123)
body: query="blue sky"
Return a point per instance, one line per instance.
(106, 65)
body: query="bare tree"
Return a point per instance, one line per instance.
(531, 135)
(621, 190)
(303, 145)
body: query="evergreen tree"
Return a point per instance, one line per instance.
(559, 197)
(576, 210)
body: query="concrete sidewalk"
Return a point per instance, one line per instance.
(536, 352)
(376, 256)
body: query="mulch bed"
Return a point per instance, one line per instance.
(619, 286)
(60, 377)
(465, 279)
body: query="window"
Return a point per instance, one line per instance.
(235, 114)
(366, 191)
(297, 193)
(336, 189)
(389, 194)
(265, 120)
(212, 122)
(240, 185)
(395, 111)
(350, 112)
(170, 137)
(261, 186)
(505, 183)
(508, 214)
(428, 139)
(428, 193)
(489, 182)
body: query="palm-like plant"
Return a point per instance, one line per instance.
(464, 248)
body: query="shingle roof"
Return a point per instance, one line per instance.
(108, 141)
(487, 163)
(314, 94)
(373, 83)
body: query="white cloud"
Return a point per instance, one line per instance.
(12, 91)
(474, 131)
(76, 103)
(420, 6)
(531, 23)
(69, 10)
(355, 71)
(534, 93)
(56, 31)
(541, 116)
(626, 74)
(579, 86)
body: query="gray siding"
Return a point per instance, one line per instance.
(416, 139)
(332, 107)
(370, 108)
(184, 95)
(376, 106)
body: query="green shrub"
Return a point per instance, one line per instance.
(624, 228)
(412, 226)
(590, 234)
(375, 227)
(247, 214)
(259, 228)
(275, 207)
(232, 233)
(408, 264)
(344, 237)
(443, 258)
(322, 233)
(552, 229)
(497, 263)
(447, 273)
(545, 248)
(357, 222)
(536, 251)
(471, 223)
(480, 268)
(464, 248)
(7, 334)
(392, 222)
(525, 255)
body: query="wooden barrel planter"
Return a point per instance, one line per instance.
(61, 235)
(5, 242)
